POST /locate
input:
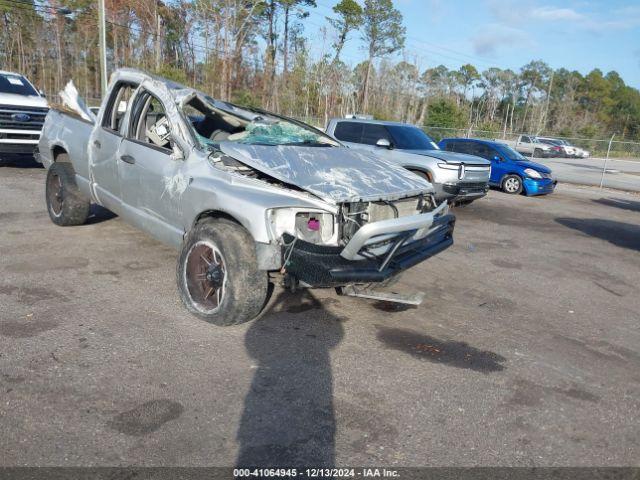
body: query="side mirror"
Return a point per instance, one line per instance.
(383, 143)
(496, 158)
(42, 93)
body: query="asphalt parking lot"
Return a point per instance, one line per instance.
(622, 174)
(525, 352)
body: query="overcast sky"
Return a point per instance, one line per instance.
(578, 35)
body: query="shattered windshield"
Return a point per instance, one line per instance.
(214, 122)
(268, 131)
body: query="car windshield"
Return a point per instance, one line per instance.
(410, 138)
(511, 153)
(16, 84)
(214, 122)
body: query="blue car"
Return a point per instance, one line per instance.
(510, 171)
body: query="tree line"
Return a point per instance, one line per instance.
(259, 53)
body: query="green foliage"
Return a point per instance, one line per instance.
(383, 30)
(349, 18)
(445, 113)
(172, 73)
(245, 98)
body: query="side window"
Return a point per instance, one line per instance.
(525, 139)
(348, 132)
(451, 147)
(117, 106)
(482, 151)
(149, 122)
(461, 147)
(372, 133)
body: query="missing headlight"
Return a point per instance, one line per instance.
(311, 226)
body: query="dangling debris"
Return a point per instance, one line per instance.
(72, 100)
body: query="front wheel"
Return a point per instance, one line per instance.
(512, 184)
(217, 274)
(65, 203)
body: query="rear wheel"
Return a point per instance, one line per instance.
(512, 184)
(65, 204)
(217, 274)
(537, 153)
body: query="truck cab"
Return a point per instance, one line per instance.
(529, 145)
(22, 112)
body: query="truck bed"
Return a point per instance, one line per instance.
(69, 131)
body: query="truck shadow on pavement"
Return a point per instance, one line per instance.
(625, 235)
(618, 203)
(455, 354)
(99, 214)
(288, 418)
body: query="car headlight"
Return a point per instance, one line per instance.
(314, 226)
(531, 173)
(448, 166)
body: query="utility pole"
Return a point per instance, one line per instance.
(606, 159)
(103, 47)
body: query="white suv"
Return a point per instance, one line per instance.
(22, 112)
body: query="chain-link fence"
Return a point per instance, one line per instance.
(596, 147)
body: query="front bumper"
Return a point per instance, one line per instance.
(18, 148)
(326, 266)
(466, 190)
(542, 186)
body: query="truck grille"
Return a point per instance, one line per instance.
(359, 213)
(19, 136)
(479, 174)
(473, 186)
(22, 118)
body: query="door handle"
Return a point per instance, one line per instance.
(128, 159)
(97, 144)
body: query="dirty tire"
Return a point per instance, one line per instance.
(243, 288)
(512, 184)
(65, 204)
(537, 153)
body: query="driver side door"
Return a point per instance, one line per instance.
(151, 181)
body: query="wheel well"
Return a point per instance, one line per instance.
(215, 214)
(57, 151)
(426, 172)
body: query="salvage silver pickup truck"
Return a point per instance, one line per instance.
(243, 193)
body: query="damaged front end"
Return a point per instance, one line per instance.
(367, 242)
(342, 217)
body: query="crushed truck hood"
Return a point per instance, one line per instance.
(450, 157)
(335, 174)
